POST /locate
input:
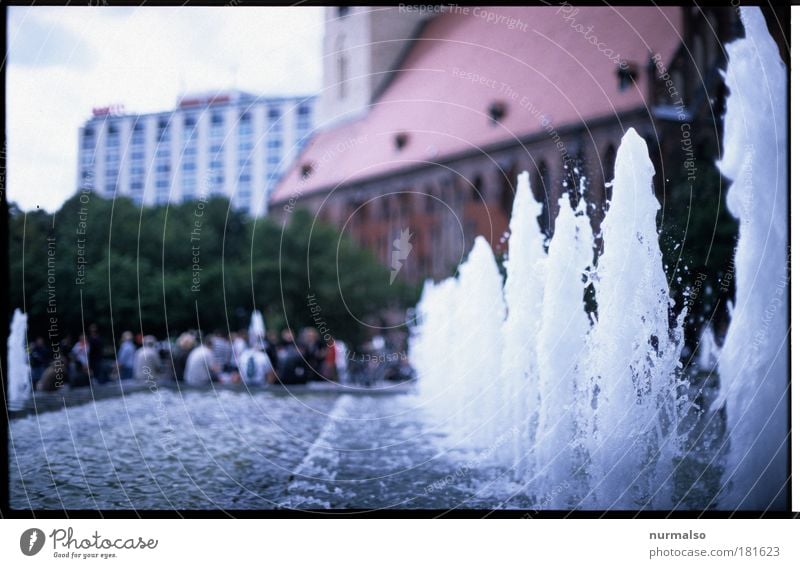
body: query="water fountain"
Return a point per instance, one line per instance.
(707, 351)
(523, 292)
(590, 410)
(477, 347)
(595, 408)
(257, 329)
(633, 355)
(560, 349)
(754, 359)
(19, 372)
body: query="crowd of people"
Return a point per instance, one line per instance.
(194, 358)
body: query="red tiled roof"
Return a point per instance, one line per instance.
(549, 66)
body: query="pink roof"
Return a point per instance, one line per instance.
(548, 65)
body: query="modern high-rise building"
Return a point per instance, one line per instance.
(226, 143)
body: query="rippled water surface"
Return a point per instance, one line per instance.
(239, 450)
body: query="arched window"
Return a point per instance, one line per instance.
(573, 171)
(608, 170)
(541, 191)
(430, 199)
(477, 188)
(507, 182)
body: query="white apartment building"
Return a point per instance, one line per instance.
(226, 143)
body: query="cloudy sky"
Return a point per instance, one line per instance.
(62, 62)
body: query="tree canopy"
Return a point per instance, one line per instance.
(197, 265)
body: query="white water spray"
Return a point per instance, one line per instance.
(20, 388)
(523, 290)
(753, 362)
(600, 406)
(561, 349)
(634, 356)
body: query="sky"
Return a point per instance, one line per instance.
(64, 61)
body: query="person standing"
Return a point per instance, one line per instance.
(146, 362)
(40, 359)
(201, 366)
(180, 355)
(125, 356)
(80, 358)
(96, 355)
(255, 368)
(223, 355)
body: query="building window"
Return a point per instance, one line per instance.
(497, 111)
(430, 199)
(217, 125)
(88, 139)
(273, 115)
(189, 130)
(137, 169)
(188, 185)
(163, 130)
(627, 74)
(137, 136)
(608, 167)
(341, 67)
(303, 125)
(541, 191)
(400, 140)
(112, 159)
(245, 125)
(477, 188)
(341, 64)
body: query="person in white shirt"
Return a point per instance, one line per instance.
(201, 366)
(255, 367)
(146, 361)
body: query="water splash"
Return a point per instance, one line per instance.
(523, 290)
(592, 411)
(20, 387)
(753, 362)
(633, 353)
(257, 330)
(598, 411)
(708, 352)
(478, 315)
(561, 348)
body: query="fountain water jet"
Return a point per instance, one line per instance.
(754, 359)
(560, 347)
(429, 344)
(257, 330)
(20, 389)
(603, 419)
(634, 355)
(523, 290)
(708, 352)
(615, 424)
(478, 316)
